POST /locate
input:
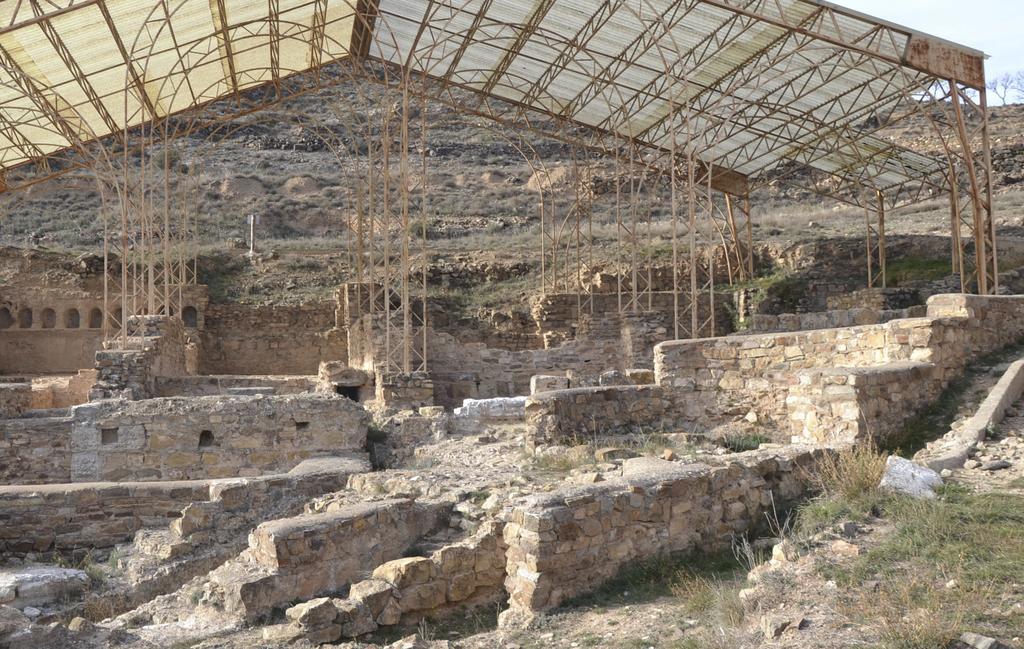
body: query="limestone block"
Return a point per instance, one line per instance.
(461, 586)
(547, 383)
(391, 614)
(402, 573)
(354, 617)
(423, 597)
(640, 376)
(279, 634)
(609, 453)
(313, 614)
(614, 377)
(512, 408)
(41, 586)
(454, 558)
(195, 517)
(375, 593)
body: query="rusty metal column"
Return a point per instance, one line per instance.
(875, 241)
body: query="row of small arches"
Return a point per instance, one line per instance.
(72, 319)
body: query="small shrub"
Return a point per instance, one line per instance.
(746, 554)
(740, 442)
(97, 608)
(577, 456)
(852, 475)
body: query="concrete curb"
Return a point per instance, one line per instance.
(952, 450)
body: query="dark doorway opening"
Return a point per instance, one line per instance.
(348, 391)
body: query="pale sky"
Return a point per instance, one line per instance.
(995, 27)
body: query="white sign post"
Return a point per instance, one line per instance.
(252, 220)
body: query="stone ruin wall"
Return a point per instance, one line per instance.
(852, 403)
(205, 386)
(833, 383)
(851, 317)
(574, 415)
(159, 349)
(304, 557)
(878, 299)
(558, 318)
(245, 339)
(461, 370)
(46, 331)
(734, 375)
(69, 517)
(465, 575)
(15, 397)
(182, 438)
(178, 438)
(35, 450)
(545, 550)
(567, 543)
(472, 371)
(877, 402)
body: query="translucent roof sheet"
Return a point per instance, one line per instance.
(748, 85)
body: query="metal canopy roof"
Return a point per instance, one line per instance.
(750, 86)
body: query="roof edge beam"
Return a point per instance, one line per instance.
(938, 58)
(922, 53)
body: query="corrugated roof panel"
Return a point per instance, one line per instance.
(512, 13)
(755, 116)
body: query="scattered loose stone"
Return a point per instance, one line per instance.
(976, 641)
(610, 453)
(996, 465)
(906, 477)
(773, 627)
(12, 620)
(849, 529)
(844, 549)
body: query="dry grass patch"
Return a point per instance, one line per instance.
(851, 476)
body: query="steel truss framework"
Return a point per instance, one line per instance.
(709, 98)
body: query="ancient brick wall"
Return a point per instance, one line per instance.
(722, 378)
(208, 437)
(712, 381)
(879, 299)
(558, 318)
(246, 339)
